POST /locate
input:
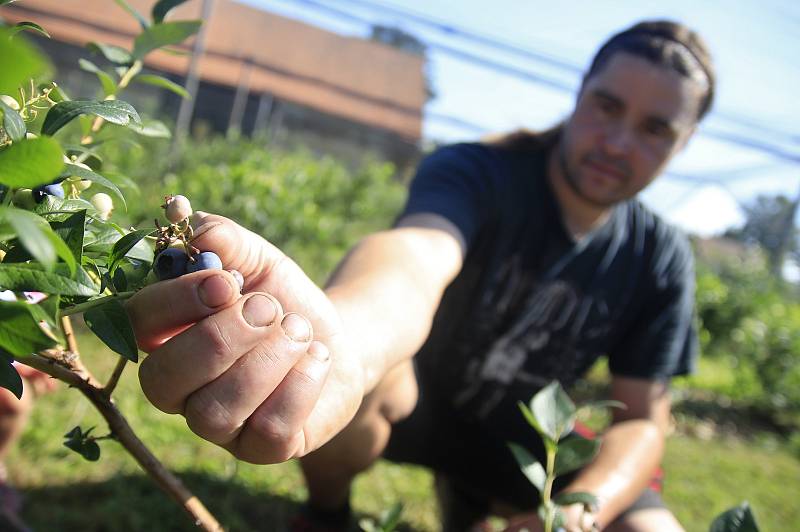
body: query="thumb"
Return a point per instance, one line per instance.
(238, 248)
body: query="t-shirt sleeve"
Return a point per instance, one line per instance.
(453, 182)
(662, 341)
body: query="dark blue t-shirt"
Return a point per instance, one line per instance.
(530, 305)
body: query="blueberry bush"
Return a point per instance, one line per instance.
(62, 251)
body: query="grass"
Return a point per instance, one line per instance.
(65, 493)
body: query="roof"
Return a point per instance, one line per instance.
(358, 79)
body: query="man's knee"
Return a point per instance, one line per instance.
(363, 440)
(646, 520)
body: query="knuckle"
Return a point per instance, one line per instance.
(208, 417)
(275, 435)
(217, 338)
(149, 378)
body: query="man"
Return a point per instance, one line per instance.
(515, 262)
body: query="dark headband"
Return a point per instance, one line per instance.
(650, 33)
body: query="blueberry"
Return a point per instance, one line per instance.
(207, 260)
(170, 263)
(53, 189)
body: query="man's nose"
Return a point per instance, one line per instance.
(618, 140)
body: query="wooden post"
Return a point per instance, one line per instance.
(192, 80)
(240, 99)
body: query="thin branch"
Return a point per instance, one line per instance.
(108, 389)
(83, 307)
(57, 364)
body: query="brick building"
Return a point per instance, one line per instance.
(335, 94)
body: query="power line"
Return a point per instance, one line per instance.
(527, 75)
(479, 38)
(528, 53)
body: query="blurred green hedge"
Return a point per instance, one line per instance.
(312, 207)
(753, 320)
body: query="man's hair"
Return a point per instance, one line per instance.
(661, 42)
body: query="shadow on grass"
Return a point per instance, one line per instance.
(728, 416)
(134, 504)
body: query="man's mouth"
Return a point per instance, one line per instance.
(608, 170)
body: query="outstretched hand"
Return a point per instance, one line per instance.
(265, 373)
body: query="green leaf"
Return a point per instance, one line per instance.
(154, 129)
(114, 111)
(9, 378)
(110, 323)
(530, 467)
(108, 83)
(737, 519)
(390, 519)
(596, 405)
(71, 229)
(19, 62)
(163, 7)
(20, 333)
(74, 433)
(95, 178)
(164, 83)
(565, 499)
(30, 163)
(553, 410)
(85, 447)
(123, 246)
(115, 54)
(13, 123)
(574, 452)
(4, 2)
(28, 228)
(531, 419)
(33, 277)
(30, 26)
(134, 13)
(47, 311)
(163, 34)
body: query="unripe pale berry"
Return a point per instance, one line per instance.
(23, 198)
(207, 260)
(103, 203)
(170, 263)
(10, 101)
(177, 209)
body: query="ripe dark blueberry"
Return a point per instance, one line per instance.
(170, 263)
(53, 189)
(207, 260)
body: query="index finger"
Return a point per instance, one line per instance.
(161, 310)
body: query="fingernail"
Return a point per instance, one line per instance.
(215, 291)
(259, 311)
(239, 278)
(319, 351)
(296, 327)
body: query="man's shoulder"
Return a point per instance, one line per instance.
(669, 246)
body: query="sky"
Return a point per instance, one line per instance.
(755, 46)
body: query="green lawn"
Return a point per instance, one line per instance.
(66, 493)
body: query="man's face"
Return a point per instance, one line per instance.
(631, 117)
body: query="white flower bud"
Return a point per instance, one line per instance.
(103, 203)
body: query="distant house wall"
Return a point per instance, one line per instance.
(339, 94)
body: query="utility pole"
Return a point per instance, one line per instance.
(240, 100)
(785, 236)
(192, 80)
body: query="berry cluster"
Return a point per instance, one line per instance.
(175, 255)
